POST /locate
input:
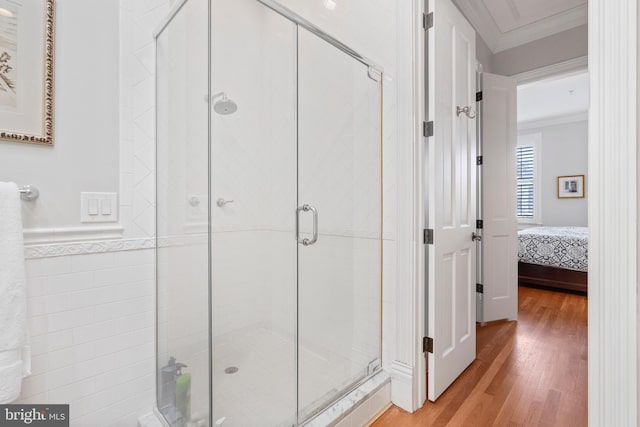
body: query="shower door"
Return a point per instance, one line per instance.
(253, 193)
(296, 290)
(340, 204)
(269, 213)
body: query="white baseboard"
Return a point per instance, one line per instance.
(402, 385)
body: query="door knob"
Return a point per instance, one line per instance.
(476, 237)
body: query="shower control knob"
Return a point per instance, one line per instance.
(221, 202)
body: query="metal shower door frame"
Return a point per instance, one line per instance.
(300, 21)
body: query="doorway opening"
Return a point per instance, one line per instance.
(497, 56)
(551, 174)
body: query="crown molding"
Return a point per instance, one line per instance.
(565, 67)
(554, 121)
(497, 41)
(563, 21)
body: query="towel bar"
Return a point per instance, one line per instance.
(29, 193)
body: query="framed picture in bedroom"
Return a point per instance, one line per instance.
(26, 70)
(571, 187)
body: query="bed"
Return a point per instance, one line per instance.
(556, 257)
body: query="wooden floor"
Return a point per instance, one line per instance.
(532, 372)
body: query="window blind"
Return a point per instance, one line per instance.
(525, 157)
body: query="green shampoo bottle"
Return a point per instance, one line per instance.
(183, 398)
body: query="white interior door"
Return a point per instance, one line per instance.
(499, 235)
(452, 197)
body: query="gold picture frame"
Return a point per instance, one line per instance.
(571, 187)
(27, 47)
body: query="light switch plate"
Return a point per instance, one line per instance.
(98, 207)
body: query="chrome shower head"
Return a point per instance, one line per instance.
(225, 105)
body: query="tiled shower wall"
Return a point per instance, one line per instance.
(138, 21)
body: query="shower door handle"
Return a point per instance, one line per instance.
(314, 239)
(314, 211)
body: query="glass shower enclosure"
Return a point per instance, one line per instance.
(269, 216)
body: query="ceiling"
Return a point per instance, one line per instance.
(504, 24)
(554, 98)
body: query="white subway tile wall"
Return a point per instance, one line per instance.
(91, 321)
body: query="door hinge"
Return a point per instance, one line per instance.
(478, 96)
(427, 129)
(479, 224)
(479, 160)
(428, 236)
(479, 288)
(427, 345)
(427, 20)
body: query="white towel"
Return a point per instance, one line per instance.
(15, 360)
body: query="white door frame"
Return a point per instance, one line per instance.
(408, 365)
(613, 239)
(612, 186)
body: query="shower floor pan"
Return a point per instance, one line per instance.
(259, 387)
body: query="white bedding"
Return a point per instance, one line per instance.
(563, 247)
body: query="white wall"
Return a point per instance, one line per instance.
(563, 152)
(484, 55)
(85, 155)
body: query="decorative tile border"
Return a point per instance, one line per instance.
(95, 247)
(104, 246)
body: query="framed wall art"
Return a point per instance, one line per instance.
(571, 187)
(27, 70)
